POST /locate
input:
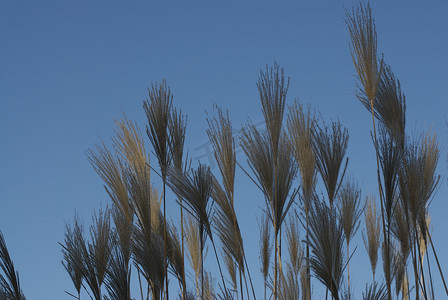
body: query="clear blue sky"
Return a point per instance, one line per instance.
(67, 69)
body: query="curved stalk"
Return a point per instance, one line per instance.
(438, 264)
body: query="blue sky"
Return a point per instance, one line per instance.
(68, 69)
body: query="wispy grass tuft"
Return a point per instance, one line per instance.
(265, 249)
(9, 281)
(158, 112)
(220, 133)
(375, 291)
(373, 232)
(295, 250)
(326, 243)
(389, 106)
(330, 145)
(100, 247)
(194, 248)
(350, 208)
(300, 124)
(363, 48)
(349, 211)
(273, 89)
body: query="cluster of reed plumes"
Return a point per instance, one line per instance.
(284, 160)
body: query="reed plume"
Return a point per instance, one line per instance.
(373, 232)
(100, 247)
(220, 133)
(231, 269)
(128, 142)
(265, 249)
(326, 243)
(295, 251)
(418, 182)
(158, 112)
(72, 253)
(389, 106)
(149, 257)
(269, 155)
(9, 281)
(118, 276)
(300, 123)
(402, 231)
(399, 273)
(329, 146)
(289, 285)
(149, 260)
(228, 231)
(193, 246)
(177, 129)
(90, 258)
(349, 210)
(390, 155)
(196, 188)
(429, 154)
(208, 292)
(273, 88)
(275, 176)
(363, 49)
(375, 291)
(111, 170)
(369, 69)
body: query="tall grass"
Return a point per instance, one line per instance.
(269, 155)
(177, 130)
(300, 123)
(330, 146)
(196, 188)
(221, 137)
(195, 252)
(135, 236)
(158, 112)
(326, 243)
